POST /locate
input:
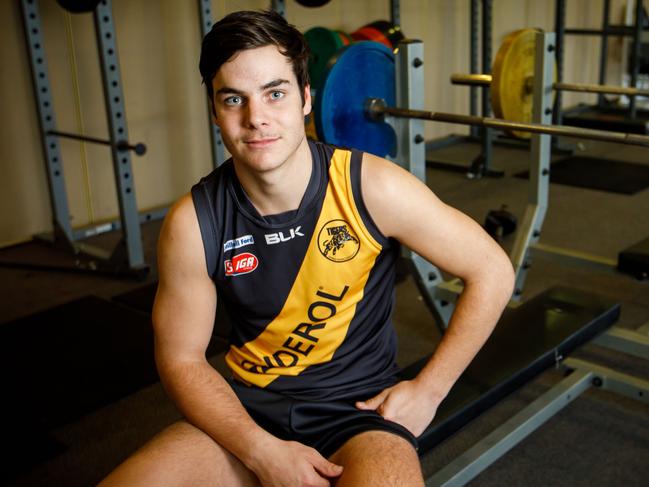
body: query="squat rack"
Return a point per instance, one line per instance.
(127, 257)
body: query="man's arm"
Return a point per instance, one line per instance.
(404, 208)
(183, 317)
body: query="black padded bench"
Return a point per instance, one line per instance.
(527, 340)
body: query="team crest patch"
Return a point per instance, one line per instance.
(337, 241)
(241, 264)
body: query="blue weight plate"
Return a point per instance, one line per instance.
(359, 71)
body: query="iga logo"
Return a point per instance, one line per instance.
(241, 264)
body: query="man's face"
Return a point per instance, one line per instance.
(259, 108)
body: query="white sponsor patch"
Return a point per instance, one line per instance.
(238, 243)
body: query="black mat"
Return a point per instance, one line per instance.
(601, 174)
(65, 362)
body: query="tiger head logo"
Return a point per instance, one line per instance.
(337, 241)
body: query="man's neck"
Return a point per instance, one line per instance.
(280, 190)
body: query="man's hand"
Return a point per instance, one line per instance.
(406, 403)
(292, 464)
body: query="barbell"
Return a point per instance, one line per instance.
(120, 145)
(358, 92)
(512, 80)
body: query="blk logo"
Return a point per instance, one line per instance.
(279, 237)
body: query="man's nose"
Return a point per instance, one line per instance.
(257, 113)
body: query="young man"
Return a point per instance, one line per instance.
(299, 240)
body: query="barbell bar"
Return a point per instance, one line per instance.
(377, 109)
(358, 92)
(486, 79)
(120, 145)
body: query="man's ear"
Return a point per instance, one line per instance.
(306, 109)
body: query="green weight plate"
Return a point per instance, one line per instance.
(323, 43)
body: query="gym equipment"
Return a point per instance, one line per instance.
(598, 173)
(635, 260)
(120, 145)
(345, 37)
(312, 3)
(218, 152)
(512, 75)
(79, 6)
(323, 43)
(527, 340)
(127, 256)
(339, 116)
(381, 31)
(357, 92)
(500, 223)
(634, 31)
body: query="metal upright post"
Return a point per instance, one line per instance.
(395, 12)
(603, 53)
(129, 251)
(635, 56)
(278, 6)
(474, 26)
(411, 155)
(218, 154)
(63, 234)
(530, 230)
(487, 134)
(559, 28)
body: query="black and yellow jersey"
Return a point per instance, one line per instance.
(309, 292)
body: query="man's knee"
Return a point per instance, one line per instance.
(378, 458)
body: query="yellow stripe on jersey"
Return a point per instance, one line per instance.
(322, 301)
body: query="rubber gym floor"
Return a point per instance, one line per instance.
(600, 439)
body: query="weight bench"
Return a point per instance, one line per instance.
(528, 340)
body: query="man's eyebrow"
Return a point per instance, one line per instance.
(275, 83)
(228, 90)
(233, 91)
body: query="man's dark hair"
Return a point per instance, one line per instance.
(243, 30)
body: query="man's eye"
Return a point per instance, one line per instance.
(233, 100)
(276, 95)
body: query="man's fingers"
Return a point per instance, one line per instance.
(326, 468)
(372, 403)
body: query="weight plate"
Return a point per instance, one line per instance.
(368, 33)
(357, 72)
(389, 30)
(345, 37)
(323, 43)
(512, 75)
(312, 3)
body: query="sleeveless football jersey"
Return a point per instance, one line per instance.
(309, 292)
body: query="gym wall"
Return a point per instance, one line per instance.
(158, 45)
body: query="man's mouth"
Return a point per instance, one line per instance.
(260, 142)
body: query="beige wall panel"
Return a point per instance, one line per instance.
(159, 45)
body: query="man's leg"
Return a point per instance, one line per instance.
(181, 455)
(378, 458)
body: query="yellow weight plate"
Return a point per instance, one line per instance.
(511, 86)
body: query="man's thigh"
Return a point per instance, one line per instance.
(181, 455)
(378, 458)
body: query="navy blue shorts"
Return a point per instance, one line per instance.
(322, 425)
